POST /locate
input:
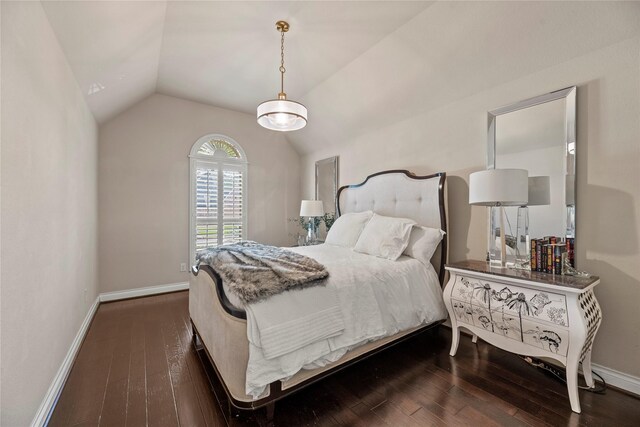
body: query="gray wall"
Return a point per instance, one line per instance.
(49, 209)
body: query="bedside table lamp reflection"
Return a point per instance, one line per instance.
(497, 188)
(539, 195)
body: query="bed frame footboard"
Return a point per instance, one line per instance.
(277, 391)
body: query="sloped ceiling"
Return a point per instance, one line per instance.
(356, 65)
(219, 52)
(113, 49)
(451, 51)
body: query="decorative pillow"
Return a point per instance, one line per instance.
(385, 237)
(423, 243)
(347, 228)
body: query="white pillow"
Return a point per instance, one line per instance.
(423, 243)
(385, 237)
(347, 228)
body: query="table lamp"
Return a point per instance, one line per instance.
(311, 209)
(497, 188)
(539, 195)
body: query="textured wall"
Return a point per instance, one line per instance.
(144, 187)
(49, 209)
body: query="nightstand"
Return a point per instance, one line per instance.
(528, 313)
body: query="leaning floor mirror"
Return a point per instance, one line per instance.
(539, 135)
(326, 189)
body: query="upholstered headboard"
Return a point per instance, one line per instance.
(402, 194)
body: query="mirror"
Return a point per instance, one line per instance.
(537, 134)
(327, 183)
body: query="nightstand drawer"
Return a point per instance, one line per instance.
(511, 299)
(547, 337)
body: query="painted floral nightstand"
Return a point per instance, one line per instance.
(527, 313)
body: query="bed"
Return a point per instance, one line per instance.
(220, 325)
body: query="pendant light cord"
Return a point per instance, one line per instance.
(282, 69)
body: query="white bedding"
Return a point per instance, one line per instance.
(292, 320)
(377, 297)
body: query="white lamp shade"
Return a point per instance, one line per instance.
(311, 208)
(499, 187)
(282, 115)
(539, 191)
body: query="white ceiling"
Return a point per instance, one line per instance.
(358, 66)
(110, 45)
(222, 53)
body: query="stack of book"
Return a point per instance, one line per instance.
(549, 253)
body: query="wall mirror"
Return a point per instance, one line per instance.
(539, 135)
(327, 183)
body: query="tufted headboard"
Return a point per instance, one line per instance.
(400, 193)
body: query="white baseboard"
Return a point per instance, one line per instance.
(618, 379)
(49, 401)
(61, 376)
(142, 292)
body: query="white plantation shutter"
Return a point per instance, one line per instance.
(232, 206)
(206, 207)
(218, 193)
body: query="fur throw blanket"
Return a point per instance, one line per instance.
(254, 272)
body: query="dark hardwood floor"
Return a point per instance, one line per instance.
(137, 367)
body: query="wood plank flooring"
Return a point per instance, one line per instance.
(138, 367)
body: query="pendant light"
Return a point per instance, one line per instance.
(282, 114)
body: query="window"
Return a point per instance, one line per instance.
(218, 193)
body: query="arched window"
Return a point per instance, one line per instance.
(218, 193)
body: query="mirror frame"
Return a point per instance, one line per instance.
(334, 161)
(569, 94)
(570, 118)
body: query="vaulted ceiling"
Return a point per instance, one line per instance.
(217, 52)
(357, 65)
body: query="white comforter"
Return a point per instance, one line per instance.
(292, 320)
(377, 297)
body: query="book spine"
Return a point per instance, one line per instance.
(538, 255)
(534, 264)
(549, 258)
(572, 259)
(557, 259)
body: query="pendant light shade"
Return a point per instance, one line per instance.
(281, 114)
